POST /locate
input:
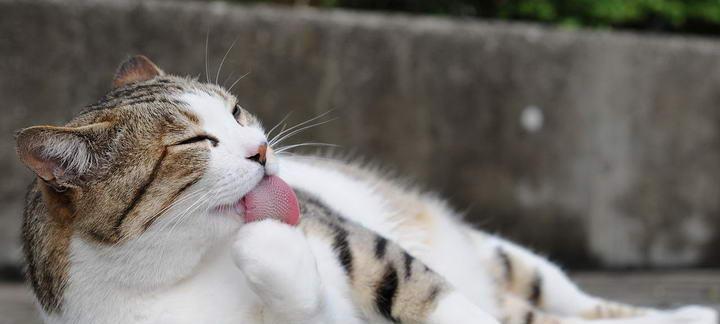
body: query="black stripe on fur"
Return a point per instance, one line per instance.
(408, 265)
(139, 194)
(506, 264)
(535, 290)
(385, 293)
(172, 199)
(342, 248)
(529, 317)
(380, 247)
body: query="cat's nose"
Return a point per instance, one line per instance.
(261, 156)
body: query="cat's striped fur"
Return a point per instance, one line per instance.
(120, 226)
(384, 277)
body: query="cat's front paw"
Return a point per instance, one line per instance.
(684, 315)
(279, 265)
(694, 315)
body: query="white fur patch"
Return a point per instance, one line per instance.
(230, 174)
(351, 198)
(455, 308)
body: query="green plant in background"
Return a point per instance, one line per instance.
(672, 15)
(687, 16)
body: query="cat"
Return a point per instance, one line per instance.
(137, 215)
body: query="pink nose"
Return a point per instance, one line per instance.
(260, 157)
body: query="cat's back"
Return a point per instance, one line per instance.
(366, 196)
(420, 223)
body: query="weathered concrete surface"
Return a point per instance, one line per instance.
(599, 148)
(664, 290)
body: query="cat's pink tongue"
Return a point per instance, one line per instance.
(272, 198)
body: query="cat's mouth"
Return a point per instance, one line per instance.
(272, 198)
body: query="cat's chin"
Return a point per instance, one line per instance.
(236, 209)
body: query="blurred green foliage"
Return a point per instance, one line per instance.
(687, 16)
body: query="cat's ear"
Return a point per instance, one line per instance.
(135, 69)
(63, 157)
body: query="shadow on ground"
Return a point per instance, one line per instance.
(651, 289)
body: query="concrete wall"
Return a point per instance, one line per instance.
(601, 149)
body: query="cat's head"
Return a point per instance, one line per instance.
(158, 163)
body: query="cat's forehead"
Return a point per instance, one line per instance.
(170, 87)
(207, 108)
(167, 94)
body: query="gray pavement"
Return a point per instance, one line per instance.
(667, 289)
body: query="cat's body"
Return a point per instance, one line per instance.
(127, 224)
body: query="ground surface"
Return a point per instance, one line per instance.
(653, 289)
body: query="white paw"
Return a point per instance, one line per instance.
(695, 315)
(686, 315)
(277, 262)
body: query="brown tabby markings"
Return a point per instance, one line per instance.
(120, 197)
(522, 300)
(613, 310)
(388, 285)
(139, 193)
(46, 244)
(519, 280)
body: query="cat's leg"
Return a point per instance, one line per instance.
(545, 287)
(385, 282)
(516, 310)
(455, 308)
(281, 269)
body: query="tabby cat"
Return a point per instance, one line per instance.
(164, 203)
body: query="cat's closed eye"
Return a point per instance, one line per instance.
(236, 112)
(197, 139)
(240, 115)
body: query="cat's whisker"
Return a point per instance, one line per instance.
(300, 130)
(238, 80)
(278, 139)
(177, 219)
(189, 210)
(121, 240)
(280, 136)
(283, 131)
(306, 157)
(172, 220)
(289, 147)
(228, 78)
(127, 234)
(217, 75)
(207, 70)
(195, 194)
(278, 124)
(203, 201)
